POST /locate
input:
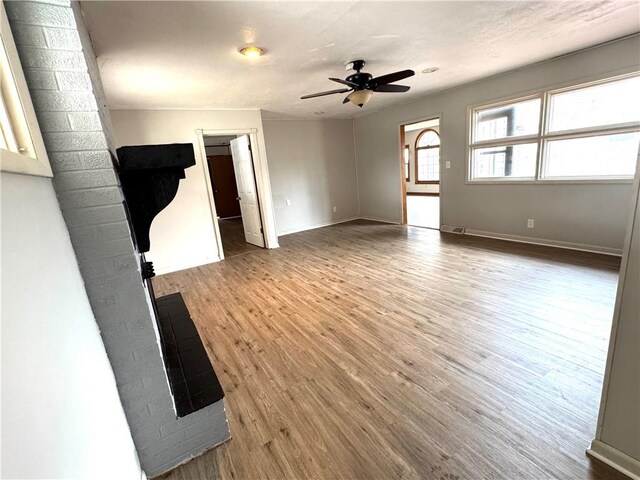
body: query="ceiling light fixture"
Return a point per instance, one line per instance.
(430, 70)
(360, 97)
(251, 51)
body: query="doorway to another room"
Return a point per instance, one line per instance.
(232, 181)
(421, 173)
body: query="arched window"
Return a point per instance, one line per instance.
(428, 157)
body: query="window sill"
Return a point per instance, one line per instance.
(16, 163)
(563, 181)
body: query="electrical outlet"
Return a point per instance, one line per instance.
(335, 209)
(530, 223)
(288, 202)
(447, 164)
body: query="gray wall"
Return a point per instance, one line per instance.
(581, 215)
(619, 422)
(63, 79)
(61, 414)
(311, 164)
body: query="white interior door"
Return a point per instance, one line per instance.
(247, 195)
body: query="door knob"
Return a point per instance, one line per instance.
(238, 198)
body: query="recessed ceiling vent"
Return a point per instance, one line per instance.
(452, 229)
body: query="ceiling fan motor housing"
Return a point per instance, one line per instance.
(361, 79)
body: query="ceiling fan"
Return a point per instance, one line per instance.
(362, 85)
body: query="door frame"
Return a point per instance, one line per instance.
(403, 183)
(263, 185)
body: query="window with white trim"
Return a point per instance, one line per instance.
(586, 132)
(428, 156)
(21, 147)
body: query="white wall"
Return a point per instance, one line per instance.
(182, 235)
(581, 215)
(312, 164)
(618, 435)
(61, 414)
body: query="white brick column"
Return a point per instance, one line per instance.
(62, 74)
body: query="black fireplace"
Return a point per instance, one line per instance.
(150, 176)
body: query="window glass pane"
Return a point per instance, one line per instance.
(515, 119)
(607, 104)
(518, 161)
(428, 138)
(406, 163)
(601, 156)
(429, 164)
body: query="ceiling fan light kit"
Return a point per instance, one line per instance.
(360, 97)
(362, 84)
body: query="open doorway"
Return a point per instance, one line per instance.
(420, 158)
(232, 182)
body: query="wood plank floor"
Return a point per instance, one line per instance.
(373, 351)
(232, 235)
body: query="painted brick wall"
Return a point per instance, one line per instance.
(63, 78)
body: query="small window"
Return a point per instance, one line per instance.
(591, 132)
(428, 157)
(407, 169)
(21, 144)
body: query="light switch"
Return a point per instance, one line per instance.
(288, 202)
(447, 164)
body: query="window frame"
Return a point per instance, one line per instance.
(407, 163)
(543, 137)
(24, 121)
(416, 149)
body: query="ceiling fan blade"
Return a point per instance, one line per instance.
(391, 88)
(344, 82)
(391, 77)
(329, 92)
(346, 99)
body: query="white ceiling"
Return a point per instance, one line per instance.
(157, 54)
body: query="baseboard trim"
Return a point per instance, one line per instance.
(381, 220)
(615, 459)
(616, 252)
(423, 194)
(318, 225)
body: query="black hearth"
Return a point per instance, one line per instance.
(150, 175)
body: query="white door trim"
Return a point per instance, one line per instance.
(263, 184)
